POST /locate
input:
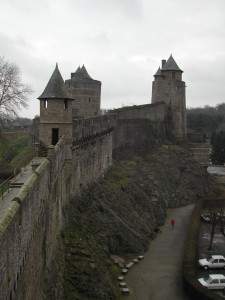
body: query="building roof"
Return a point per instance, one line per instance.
(158, 73)
(55, 87)
(81, 74)
(171, 65)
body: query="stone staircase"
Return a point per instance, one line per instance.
(16, 185)
(41, 150)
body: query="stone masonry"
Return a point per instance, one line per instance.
(86, 93)
(169, 88)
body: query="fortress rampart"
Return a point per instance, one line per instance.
(79, 152)
(34, 218)
(85, 128)
(152, 112)
(139, 129)
(30, 226)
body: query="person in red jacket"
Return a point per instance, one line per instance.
(172, 222)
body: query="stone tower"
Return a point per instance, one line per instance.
(55, 113)
(168, 87)
(86, 92)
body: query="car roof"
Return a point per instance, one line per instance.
(217, 276)
(218, 256)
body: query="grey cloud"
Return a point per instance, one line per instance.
(121, 43)
(99, 39)
(128, 8)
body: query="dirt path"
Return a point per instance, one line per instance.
(159, 275)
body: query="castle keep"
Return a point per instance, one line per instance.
(169, 88)
(77, 146)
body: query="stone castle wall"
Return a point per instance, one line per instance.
(153, 112)
(87, 127)
(139, 130)
(29, 231)
(91, 149)
(30, 227)
(200, 147)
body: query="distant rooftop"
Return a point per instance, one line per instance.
(171, 65)
(81, 74)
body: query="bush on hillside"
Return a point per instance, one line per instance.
(14, 155)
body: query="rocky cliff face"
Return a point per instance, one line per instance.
(119, 215)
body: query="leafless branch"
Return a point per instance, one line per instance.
(13, 93)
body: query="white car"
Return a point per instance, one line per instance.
(213, 281)
(215, 261)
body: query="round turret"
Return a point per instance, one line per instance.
(55, 112)
(169, 88)
(86, 92)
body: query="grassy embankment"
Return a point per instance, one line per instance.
(14, 155)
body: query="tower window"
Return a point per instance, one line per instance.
(173, 75)
(65, 103)
(45, 103)
(89, 100)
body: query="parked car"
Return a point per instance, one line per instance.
(213, 281)
(206, 218)
(215, 261)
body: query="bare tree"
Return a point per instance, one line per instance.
(215, 208)
(13, 93)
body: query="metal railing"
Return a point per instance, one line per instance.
(4, 187)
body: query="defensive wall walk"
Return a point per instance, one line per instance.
(16, 184)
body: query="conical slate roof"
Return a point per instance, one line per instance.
(158, 73)
(171, 65)
(55, 87)
(81, 74)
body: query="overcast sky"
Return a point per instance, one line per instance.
(120, 42)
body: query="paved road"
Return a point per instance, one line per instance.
(159, 275)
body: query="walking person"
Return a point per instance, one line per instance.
(172, 222)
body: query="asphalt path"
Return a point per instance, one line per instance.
(159, 275)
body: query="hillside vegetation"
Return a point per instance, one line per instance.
(14, 155)
(212, 120)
